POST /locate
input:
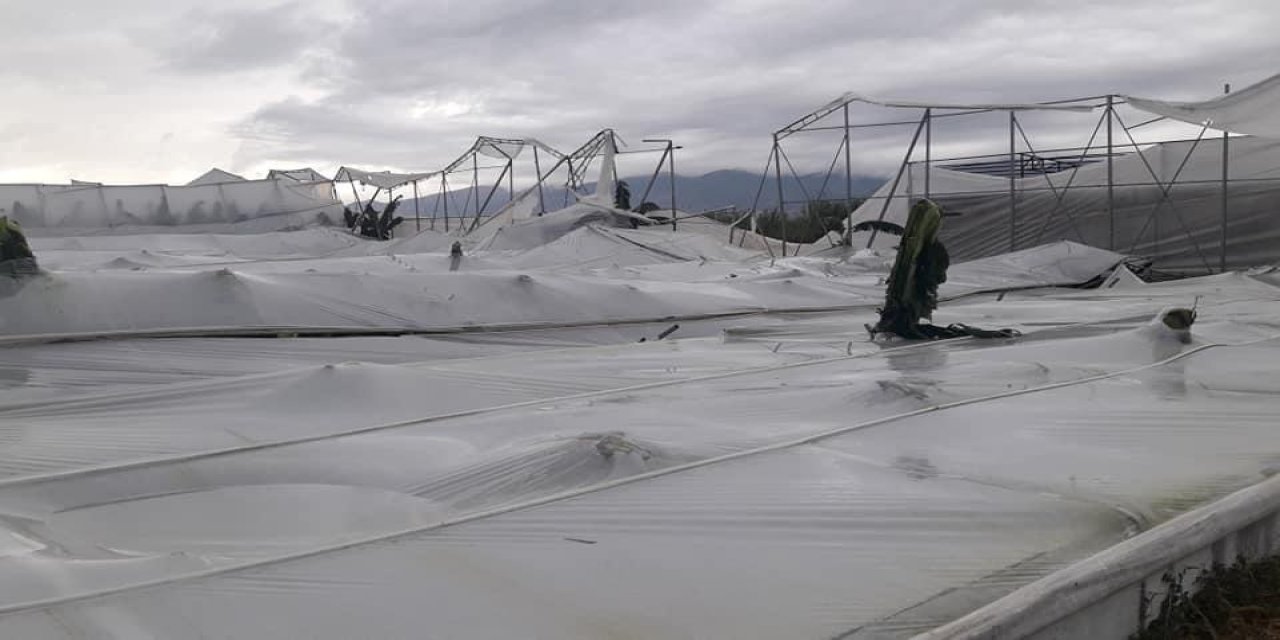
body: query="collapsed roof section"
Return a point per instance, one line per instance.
(1193, 204)
(305, 174)
(1252, 110)
(216, 176)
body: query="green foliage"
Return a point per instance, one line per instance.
(819, 218)
(1240, 601)
(920, 266)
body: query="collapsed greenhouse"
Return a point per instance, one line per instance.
(583, 425)
(1196, 199)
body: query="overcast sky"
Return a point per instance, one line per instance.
(160, 90)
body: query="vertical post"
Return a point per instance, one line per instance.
(356, 194)
(475, 180)
(1226, 141)
(511, 179)
(897, 179)
(1013, 177)
(848, 179)
(444, 193)
(569, 182)
(928, 150)
(782, 213)
(671, 160)
(417, 212)
(537, 169)
(1111, 176)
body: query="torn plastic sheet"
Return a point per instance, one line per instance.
(577, 480)
(887, 511)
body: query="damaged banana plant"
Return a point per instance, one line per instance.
(912, 293)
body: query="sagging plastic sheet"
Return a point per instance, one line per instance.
(1251, 110)
(1167, 201)
(419, 292)
(275, 204)
(561, 519)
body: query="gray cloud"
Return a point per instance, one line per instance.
(724, 74)
(214, 41)
(409, 83)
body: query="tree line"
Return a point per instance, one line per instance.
(818, 218)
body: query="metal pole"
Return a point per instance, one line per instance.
(777, 165)
(475, 180)
(671, 160)
(417, 213)
(1226, 139)
(1013, 196)
(928, 149)
(356, 195)
(848, 179)
(569, 165)
(537, 169)
(497, 184)
(897, 178)
(444, 193)
(656, 169)
(1111, 176)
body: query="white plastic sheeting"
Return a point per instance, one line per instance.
(380, 179)
(569, 267)
(1254, 110)
(759, 475)
(1167, 201)
(215, 176)
(260, 205)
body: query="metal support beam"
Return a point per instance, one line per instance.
(671, 162)
(1111, 176)
(928, 151)
(848, 179)
(1226, 167)
(782, 209)
(657, 168)
(1013, 182)
(417, 208)
(475, 180)
(906, 161)
(444, 194)
(537, 170)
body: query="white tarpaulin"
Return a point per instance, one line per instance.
(1167, 200)
(305, 174)
(616, 432)
(380, 179)
(250, 205)
(215, 176)
(1254, 110)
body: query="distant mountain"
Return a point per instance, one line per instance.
(727, 188)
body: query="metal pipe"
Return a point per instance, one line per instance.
(537, 169)
(848, 179)
(492, 190)
(1013, 184)
(928, 149)
(417, 212)
(1111, 177)
(444, 193)
(671, 160)
(653, 178)
(475, 181)
(906, 160)
(1226, 140)
(777, 167)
